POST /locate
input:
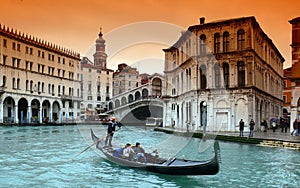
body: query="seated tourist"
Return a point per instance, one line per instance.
(140, 152)
(128, 151)
(118, 152)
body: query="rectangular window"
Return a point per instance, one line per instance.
(26, 50)
(31, 51)
(5, 43)
(13, 62)
(14, 46)
(19, 47)
(18, 63)
(4, 59)
(39, 53)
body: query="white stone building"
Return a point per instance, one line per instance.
(96, 82)
(220, 72)
(39, 81)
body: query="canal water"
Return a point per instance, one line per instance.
(47, 156)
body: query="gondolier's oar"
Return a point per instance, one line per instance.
(100, 139)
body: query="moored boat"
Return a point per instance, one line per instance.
(172, 166)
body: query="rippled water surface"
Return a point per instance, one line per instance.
(48, 157)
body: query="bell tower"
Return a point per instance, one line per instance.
(100, 56)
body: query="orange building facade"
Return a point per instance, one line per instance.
(292, 75)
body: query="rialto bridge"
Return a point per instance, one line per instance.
(134, 106)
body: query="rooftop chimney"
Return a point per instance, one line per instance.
(202, 20)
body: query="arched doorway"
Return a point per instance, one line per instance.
(46, 111)
(130, 98)
(55, 111)
(156, 86)
(137, 95)
(8, 110)
(145, 93)
(35, 111)
(23, 113)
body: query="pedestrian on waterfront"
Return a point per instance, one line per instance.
(284, 125)
(295, 127)
(111, 130)
(251, 124)
(242, 125)
(273, 125)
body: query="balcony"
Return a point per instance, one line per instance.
(70, 98)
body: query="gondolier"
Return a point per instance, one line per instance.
(111, 130)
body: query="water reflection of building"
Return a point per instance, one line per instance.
(220, 72)
(292, 93)
(39, 80)
(96, 83)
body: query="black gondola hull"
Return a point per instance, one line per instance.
(171, 167)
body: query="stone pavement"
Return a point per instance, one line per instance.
(269, 138)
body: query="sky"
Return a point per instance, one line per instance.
(75, 24)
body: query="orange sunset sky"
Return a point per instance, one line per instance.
(75, 24)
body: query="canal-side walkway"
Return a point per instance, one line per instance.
(269, 138)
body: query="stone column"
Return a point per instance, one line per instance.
(50, 114)
(29, 114)
(16, 118)
(41, 114)
(1, 111)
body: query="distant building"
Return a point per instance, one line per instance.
(96, 83)
(287, 92)
(294, 75)
(39, 81)
(125, 78)
(220, 72)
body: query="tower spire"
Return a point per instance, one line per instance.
(100, 55)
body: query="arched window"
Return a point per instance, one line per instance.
(217, 75)
(27, 85)
(203, 77)
(217, 43)
(226, 74)
(18, 83)
(13, 83)
(3, 81)
(225, 41)
(241, 73)
(241, 39)
(202, 45)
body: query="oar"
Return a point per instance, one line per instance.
(88, 147)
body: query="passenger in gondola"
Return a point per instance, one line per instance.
(118, 152)
(111, 130)
(140, 152)
(128, 152)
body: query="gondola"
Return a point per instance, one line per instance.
(172, 166)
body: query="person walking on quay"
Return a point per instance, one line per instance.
(111, 130)
(242, 125)
(295, 127)
(251, 128)
(284, 125)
